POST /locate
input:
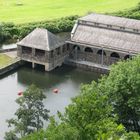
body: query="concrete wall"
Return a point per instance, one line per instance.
(7, 50)
(10, 67)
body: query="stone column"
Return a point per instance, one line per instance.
(46, 67)
(33, 65)
(19, 51)
(33, 52)
(102, 60)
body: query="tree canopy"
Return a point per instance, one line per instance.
(123, 89)
(29, 115)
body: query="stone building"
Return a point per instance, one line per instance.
(104, 39)
(44, 48)
(96, 41)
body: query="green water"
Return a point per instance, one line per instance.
(66, 79)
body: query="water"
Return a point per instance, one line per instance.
(8, 46)
(66, 79)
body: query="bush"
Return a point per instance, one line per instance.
(11, 31)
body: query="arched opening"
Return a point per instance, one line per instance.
(52, 54)
(63, 48)
(115, 55)
(87, 49)
(100, 52)
(76, 48)
(127, 57)
(58, 51)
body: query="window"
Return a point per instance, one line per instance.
(126, 57)
(58, 51)
(64, 48)
(109, 26)
(122, 28)
(136, 30)
(39, 52)
(88, 50)
(96, 24)
(76, 48)
(100, 52)
(52, 52)
(115, 55)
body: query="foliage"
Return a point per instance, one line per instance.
(56, 132)
(132, 13)
(11, 31)
(123, 87)
(89, 117)
(101, 109)
(30, 114)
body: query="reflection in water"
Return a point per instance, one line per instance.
(45, 80)
(66, 79)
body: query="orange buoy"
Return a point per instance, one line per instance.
(56, 90)
(20, 93)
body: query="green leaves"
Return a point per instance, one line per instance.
(30, 114)
(123, 87)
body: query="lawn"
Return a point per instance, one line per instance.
(23, 11)
(5, 60)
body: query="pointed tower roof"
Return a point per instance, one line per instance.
(41, 39)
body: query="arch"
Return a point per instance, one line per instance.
(127, 57)
(87, 49)
(115, 55)
(58, 51)
(100, 52)
(76, 47)
(63, 48)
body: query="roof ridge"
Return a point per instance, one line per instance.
(41, 38)
(48, 42)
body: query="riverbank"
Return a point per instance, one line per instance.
(9, 61)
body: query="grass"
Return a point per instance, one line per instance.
(23, 11)
(5, 60)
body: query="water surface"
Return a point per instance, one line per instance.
(66, 79)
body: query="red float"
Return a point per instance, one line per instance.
(20, 93)
(56, 90)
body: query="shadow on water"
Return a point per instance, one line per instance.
(46, 80)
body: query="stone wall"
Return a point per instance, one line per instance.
(50, 59)
(10, 67)
(87, 67)
(7, 50)
(95, 55)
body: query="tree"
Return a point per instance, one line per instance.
(89, 116)
(123, 88)
(30, 114)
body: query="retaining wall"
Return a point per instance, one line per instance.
(7, 50)
(88, 67)
(10, 67)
